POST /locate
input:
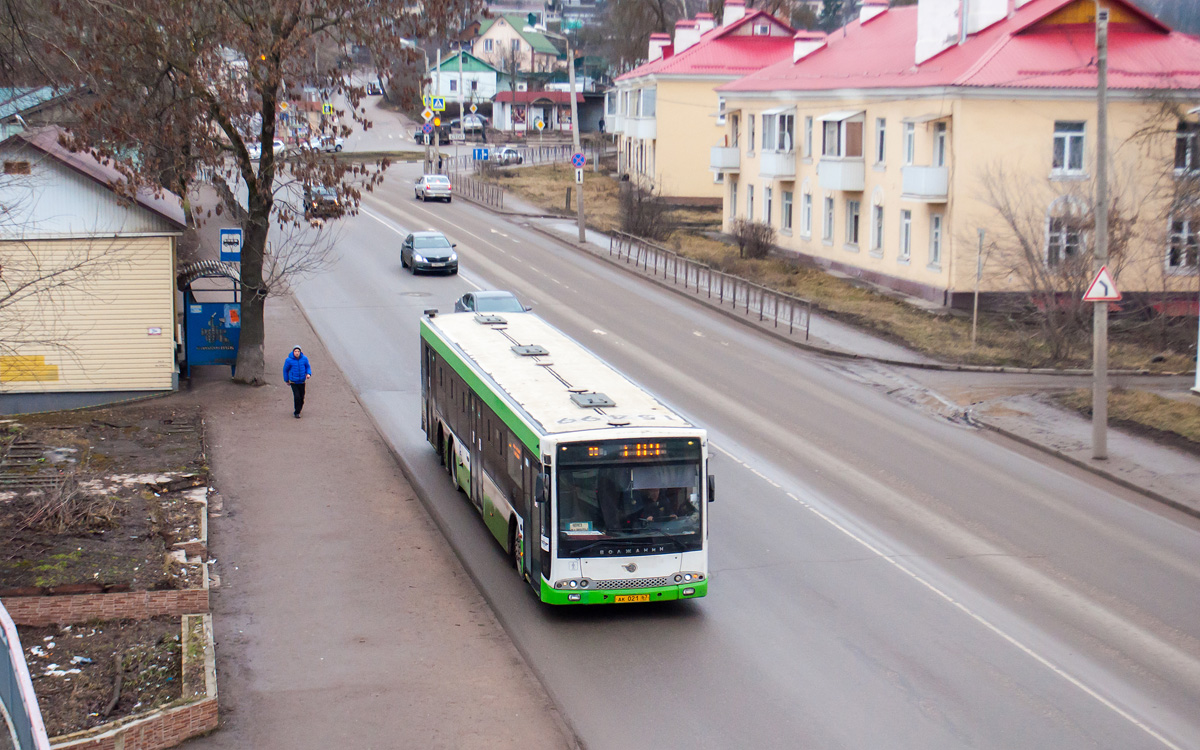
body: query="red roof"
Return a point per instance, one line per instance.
(721, 52)
(164, 203)
(1014, 52)
(529, 97)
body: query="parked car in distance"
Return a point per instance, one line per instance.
(322, 202)
(255, 149)
(490, 301)
(508, 155)
(469, 123)
(328, 143)
(436, 186)
(373, 88)
(442, 130)
(428, 251)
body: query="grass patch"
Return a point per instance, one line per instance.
(1143, 410)
(939, 334)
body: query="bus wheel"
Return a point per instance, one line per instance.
(448, 459)
(513, 551)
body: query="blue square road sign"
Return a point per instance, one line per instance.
(231, 245)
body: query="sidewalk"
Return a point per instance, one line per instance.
(1163, 473)
(342, 619)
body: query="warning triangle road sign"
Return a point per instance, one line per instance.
(1102, 288)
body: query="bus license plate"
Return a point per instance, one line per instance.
(631, 598)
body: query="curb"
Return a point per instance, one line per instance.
(443, 526)
(1088, 467)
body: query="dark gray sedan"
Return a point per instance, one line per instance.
(490, 301)
(428, 251)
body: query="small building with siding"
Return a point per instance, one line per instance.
(87, 279)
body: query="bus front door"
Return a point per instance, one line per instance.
(476, 429)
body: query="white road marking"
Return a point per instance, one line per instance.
(698, 333)
(890, 560)
(598, 332)
(387, 223)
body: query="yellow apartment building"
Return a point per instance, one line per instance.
(884, 152)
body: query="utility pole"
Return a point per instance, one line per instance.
(978, 277)
(1100, 314)
(575, 131)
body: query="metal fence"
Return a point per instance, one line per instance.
(752, 299)
(16, 693)
(477, 190)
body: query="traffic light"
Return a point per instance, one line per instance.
(437, 122)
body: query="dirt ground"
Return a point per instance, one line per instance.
(94, 499)
(74, 670)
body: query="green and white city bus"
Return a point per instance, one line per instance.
(596, 489)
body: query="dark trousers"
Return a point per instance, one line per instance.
(298, 396)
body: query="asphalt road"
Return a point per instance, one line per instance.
(880, 578)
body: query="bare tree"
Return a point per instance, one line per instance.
(1043, 236)
(190, 85)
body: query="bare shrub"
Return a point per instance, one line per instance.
(644, 214)
(754, 239)
(69, 507)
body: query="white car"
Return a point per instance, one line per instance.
(329, 144)
(433, 186)
(255, 149)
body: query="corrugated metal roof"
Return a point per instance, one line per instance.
(721, 52)
(164, 203)
(14, 101)
(1015, 52)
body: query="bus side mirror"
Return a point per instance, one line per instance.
(712, 488)
(539, 489)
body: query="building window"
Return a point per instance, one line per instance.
(877, 229)
(910, 143)
(1187, 147)
(827, 222)
(785, 217)
(487, 45)
(1064, 240)
(453, 85)
(785, 133)
(474, 85)
(808, 136)
(852, 212)
(880, 140)
(806, 207)
(720, 110)
(516, 45)
(844, 138)
(749, 203)
(732, 199)
(768, 132)
(16, 167)
(750, 133)
(939, 144)
(762, 29)
(935, 240)
(1184, 245)
(768, 193)
(1068, 146)
(649, 103)
(735, 128)
(905, 234)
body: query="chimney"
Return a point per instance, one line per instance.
(938, 27)
(870, 9)
(687, 33)
(658, 45)
(983, 13)
(735, 10)
(705, 22)
(804, 43)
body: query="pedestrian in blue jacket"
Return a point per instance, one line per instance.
(296, 372)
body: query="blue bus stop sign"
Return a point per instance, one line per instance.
(231, 245)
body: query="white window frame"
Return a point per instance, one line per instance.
(768, 197)
(835, 137)
(768, 132)
(853, 221)
(785, 211)
(940, 144)
(806, 211)
(749, 203)
(1063, 240)
(808, 136)
(762, 29)
(488, 44)
(937, 230)
(453, 85)
(827, 220)
(1183, 246)
(910, 143)
(905, 235)
(1187, 148)
(785, 130)
(750, 134)
(1069, 139)
(877, 229)
(735, 127)
(733, 199)
(880, 140)
(720, 110)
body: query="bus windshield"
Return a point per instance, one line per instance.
(629, 509)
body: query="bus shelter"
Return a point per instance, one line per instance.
(212, 314)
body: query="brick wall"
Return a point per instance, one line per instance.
(159, 730)
(131, 605)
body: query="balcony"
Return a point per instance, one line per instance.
(726, 158)
(645, 128)
(925, 184)
(777, 165)
(842, 173)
